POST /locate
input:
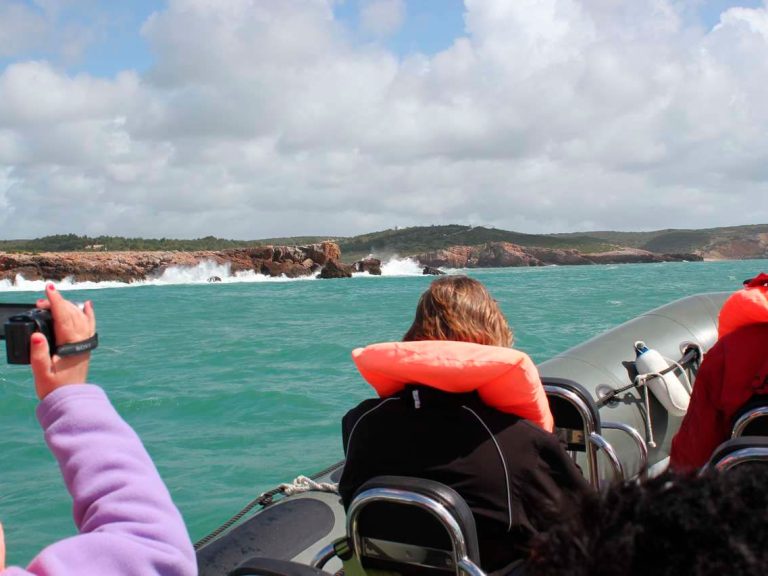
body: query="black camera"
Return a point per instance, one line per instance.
(19, 322)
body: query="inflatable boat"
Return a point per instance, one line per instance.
(617, 401)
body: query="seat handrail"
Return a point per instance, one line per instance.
(590, 426)
(460, 549)
(603, 444)
(642, 447)
(323, 556)
(741, 456)
(747, 418)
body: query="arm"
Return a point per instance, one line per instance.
(126, 519)
(704, 426)
(123, 511)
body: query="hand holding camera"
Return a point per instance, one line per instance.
(55, 338)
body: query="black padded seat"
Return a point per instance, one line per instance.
(393, 525)
(751, 450)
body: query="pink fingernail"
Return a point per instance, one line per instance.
(37, 339)
(51, 287)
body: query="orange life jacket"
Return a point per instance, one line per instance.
(504, 378)
(747, 306)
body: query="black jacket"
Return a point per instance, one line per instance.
(516, 477)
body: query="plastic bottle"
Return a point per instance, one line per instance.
(667, 388)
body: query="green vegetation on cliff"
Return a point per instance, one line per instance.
(407, 241)
(730, 242)
(675, 241)
(74, 243)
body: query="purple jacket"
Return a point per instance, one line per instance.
(126, 520)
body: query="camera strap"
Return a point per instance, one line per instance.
(81, 347)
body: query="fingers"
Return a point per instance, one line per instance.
(56, 300)
(40, 357)
(91, 315)
(70, 324)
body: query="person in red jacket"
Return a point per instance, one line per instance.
(734, 370)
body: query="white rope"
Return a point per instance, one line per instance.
(686, 381)
(304, 484)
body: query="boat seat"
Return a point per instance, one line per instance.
(752, 450)
(578, 424)
(752, 418)
(411, 526)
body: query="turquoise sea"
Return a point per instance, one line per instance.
(236, 387)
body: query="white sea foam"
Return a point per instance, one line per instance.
(174, 275)
(401, 267)
(201, 274)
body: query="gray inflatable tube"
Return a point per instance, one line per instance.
(297, 527)
(597, 365)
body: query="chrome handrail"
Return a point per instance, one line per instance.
(458, 541)
(642, 447)
(323, 556)
(741, 456)
(747, 418)
(605, 446)
(590, 427)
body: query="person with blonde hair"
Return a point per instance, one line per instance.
(459, 406)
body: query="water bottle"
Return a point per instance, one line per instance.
(667, 388)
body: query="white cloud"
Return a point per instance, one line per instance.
(382, 18)
(266, 119)
(21, 29)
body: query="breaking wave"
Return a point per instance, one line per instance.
(401, 267)
(204, 273)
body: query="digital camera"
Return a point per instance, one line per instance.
(17, 324)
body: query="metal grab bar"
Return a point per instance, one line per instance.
(642, 447)
(747, 418)
(742, 456)
(604, 445)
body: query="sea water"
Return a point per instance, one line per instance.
(238, 386)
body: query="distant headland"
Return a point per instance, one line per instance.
(107, 258)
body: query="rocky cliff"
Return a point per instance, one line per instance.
(500, 254)
(297, 261)
(291, 261)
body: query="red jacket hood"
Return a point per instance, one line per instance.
(745, 307)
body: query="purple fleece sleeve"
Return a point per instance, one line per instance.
(126, 519)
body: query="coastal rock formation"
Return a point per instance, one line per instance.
(635, 255)
(291, 261)
(370, 265)
(428, 270)
(738, 248)
(500, 254)
(335, 269)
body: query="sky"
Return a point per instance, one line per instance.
(250, 119)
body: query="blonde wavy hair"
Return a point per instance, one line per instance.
(459, 308)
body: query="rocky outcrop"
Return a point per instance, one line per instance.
(738, 248)
(635, 255)
(502, 254)
(335, 269)
(370, 265)
(290, 261)
(429, 271)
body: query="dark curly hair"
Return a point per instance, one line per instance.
(672, 525)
